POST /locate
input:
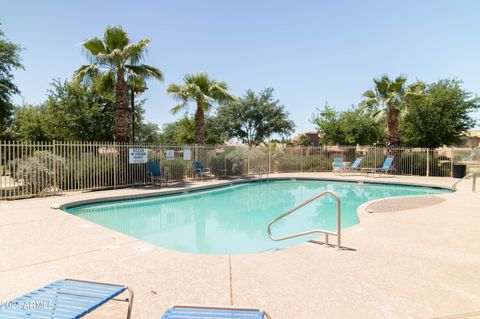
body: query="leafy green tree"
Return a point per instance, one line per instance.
(182, 132)
(253, 118)
(203, 91)
(72, 111)
(147, 133)
(29, 123)
(9, 61)
(387, 101)
(440, 117)
(327, 122)
(75, 112)
(115, 61)
(304, 140)
(350, 127)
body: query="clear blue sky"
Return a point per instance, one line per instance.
(310, 52)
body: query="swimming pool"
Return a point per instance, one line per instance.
(233, 219)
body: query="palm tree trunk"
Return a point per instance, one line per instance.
(121, 111)
(392, 127)
(199, 123)
(394, 138)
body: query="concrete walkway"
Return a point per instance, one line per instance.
(416, 263)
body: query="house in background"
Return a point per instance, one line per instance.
(312, 135)
(470, 139)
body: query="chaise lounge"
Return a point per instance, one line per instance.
(66, 299)
(355, 167)
(387, 167)
(214, 312)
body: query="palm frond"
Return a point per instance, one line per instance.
(145, 71)
(85, 73)
(178, 108)
(379, 115)
(94, 46)
(135, 52)
(370, 94)
(201, 89)
(105, 82)
(173, 88)
(115, 38)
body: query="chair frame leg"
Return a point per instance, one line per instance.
(130, 291)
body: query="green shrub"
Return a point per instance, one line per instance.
(317, 163)
(287, 162)
(415, 163)
(39, 173)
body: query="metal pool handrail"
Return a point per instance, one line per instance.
(326, 232)
(261, 170)
(474, 181)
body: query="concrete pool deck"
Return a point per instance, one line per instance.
(415, 263)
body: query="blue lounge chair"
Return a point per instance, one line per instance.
(212, 312)
(66, 299)
(338, 165)
(355, 166)
(200, 169)
(155, 173)
(387, 167)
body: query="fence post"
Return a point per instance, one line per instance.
(452, 158)
(54, 168)
(301, 159)
(248, 160)
(115, 165)
(269, 160)
(428, 162)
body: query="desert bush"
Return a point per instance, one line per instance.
(39, 172)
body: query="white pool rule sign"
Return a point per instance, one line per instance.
(137, 155)
(170, 155)
(187, 154)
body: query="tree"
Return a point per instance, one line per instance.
(72, 111)
(350, 127)
(304, 140)
(253, 118)
(203, 91)
(182, 132)
(9, 61)
(75, 112)
(387, 101)
(148, 133)
(440, 117)
(116, 64)
(29, 124)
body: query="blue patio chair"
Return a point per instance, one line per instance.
(355, 166)
(387, 167)
(213, 312)
(155, 173)
(200, 169)
(338, 165)
(66, 299)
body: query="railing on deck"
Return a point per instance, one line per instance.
(30, 169)
(337, 233)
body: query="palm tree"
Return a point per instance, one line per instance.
(387, 100)
(202, 90)
(115, 66)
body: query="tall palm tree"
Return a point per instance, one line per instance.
(115, 66)
(387, 100)
(203, 91)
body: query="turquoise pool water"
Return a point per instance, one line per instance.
(234, 219)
